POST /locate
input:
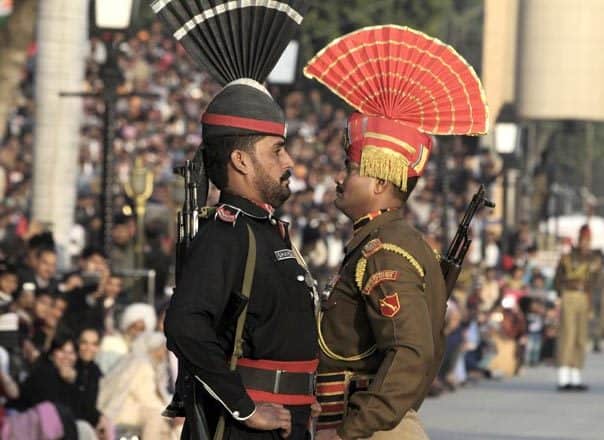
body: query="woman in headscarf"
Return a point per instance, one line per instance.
(133, 394)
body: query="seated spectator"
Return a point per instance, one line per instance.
(44, 271)
(23, 304)
(9, 283)
(92, 294)
(53, 379)
(134, 393)
(514, 285)
(36, 244)
(50, 324)
(535, 319)
(136, 319)
(41, 421)
(492, 251)
(454, 341)
(9, 390)
(507, 337)
(43, 320)
(550, 333)
(88, 378)
(490, 290)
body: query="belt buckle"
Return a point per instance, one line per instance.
(277, 381)
(312, 383)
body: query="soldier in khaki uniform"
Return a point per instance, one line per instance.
(381, 328)
(574, 280)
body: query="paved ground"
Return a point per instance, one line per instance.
(522, 408)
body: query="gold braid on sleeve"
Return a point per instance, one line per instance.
(360, 272)
(333, 355)
(410, 258)
(359, 275)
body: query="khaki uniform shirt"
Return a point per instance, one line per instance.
(385, 316)
(577, 272)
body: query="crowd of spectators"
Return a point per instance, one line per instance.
(84, 343)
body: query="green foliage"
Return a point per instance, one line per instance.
(575, 165)
(329, 19)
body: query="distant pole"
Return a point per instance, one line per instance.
(444, 189)
(112, 77)
(590, 135)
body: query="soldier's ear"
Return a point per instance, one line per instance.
(241, 161)
(380, 186)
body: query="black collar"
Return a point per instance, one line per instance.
(246, 206)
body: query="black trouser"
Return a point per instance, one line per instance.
(235, 430)
(300, 416)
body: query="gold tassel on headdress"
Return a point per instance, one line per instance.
(386, 164)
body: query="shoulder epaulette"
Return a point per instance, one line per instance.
(372, 247)
(376, 245)
(227, 214)
(207, 212)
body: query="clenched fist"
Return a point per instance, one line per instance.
(269, 416)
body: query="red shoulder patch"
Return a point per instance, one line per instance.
(372, 247)
(390, 305)
(379, 277)
(226, 215)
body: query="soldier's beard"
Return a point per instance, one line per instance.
(274, 192)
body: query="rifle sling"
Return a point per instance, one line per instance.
(246, 290)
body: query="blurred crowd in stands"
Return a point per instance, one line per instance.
(80, 337)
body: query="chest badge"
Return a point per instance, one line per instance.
(390, 305)
(284, 254)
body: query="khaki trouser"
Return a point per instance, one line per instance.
(410, 428)
(574, 325)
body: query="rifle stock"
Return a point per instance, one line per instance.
(452, 261)
(186, 401)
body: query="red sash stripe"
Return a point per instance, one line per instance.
(282, 399)
(268, 127)
(332, 408)
(289, 366)
(330, 388)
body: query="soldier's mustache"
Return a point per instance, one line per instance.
(286, 175)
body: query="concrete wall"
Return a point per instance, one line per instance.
(561, 59)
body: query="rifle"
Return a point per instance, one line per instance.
(187, 220)
(187, 400)
(452, 260)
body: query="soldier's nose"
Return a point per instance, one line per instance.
(289, 162)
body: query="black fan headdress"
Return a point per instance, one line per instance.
(238, 42)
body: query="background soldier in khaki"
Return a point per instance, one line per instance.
(574, 281)
(381, 329)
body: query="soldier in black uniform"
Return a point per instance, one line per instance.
(280, 323)
(272, 388)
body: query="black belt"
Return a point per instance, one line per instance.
(277, 381)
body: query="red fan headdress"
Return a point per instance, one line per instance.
(404, 85)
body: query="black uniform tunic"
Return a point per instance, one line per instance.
(280, 321)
